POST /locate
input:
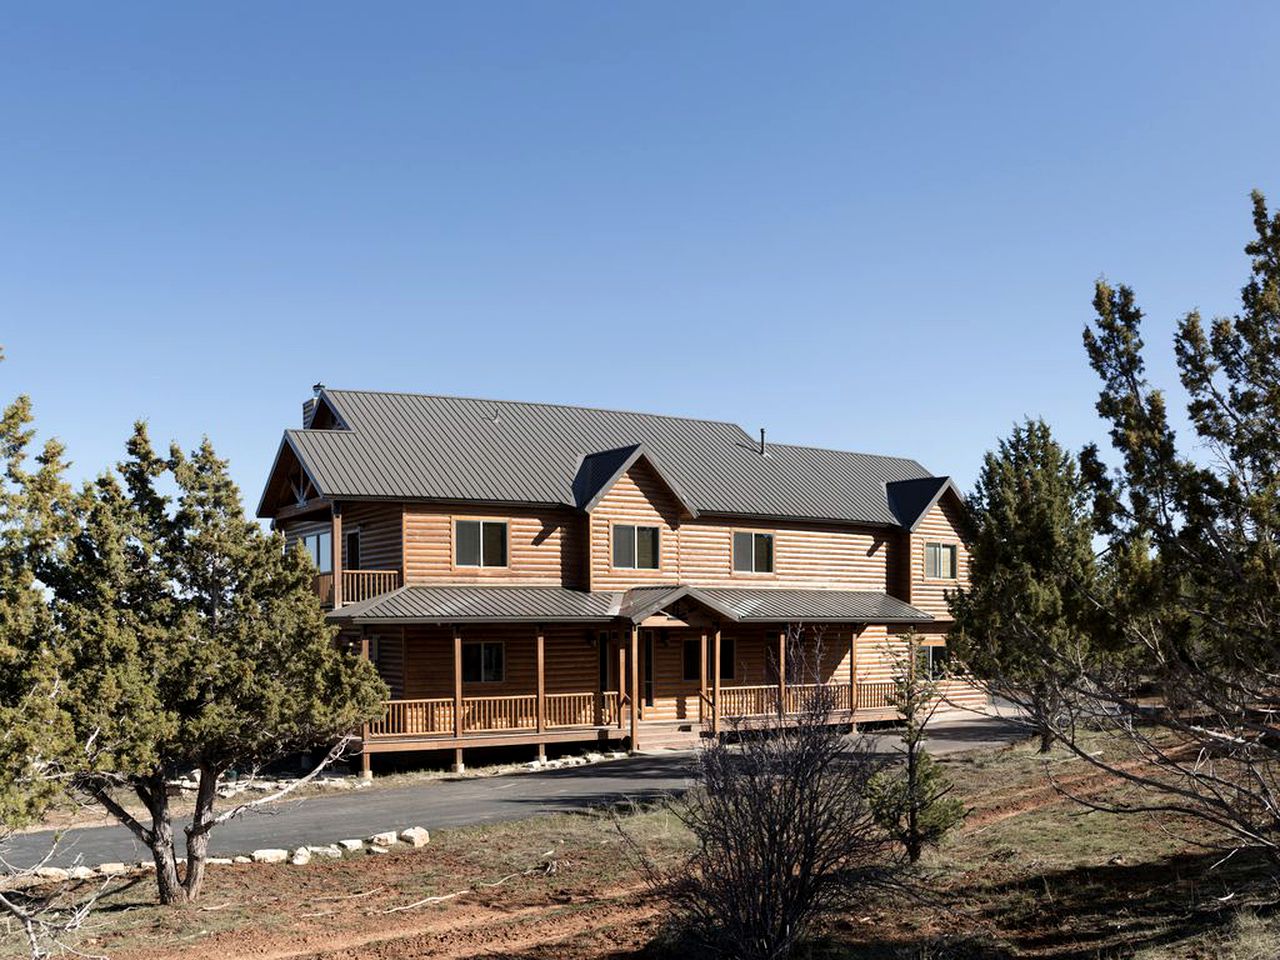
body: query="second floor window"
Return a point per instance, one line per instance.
(319, 547)
(480, 543)
(484, 662)
(940, 561)
(635, 548)
(752, 552)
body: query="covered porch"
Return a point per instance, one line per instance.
(577, 667)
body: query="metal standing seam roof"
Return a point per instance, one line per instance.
(413, 446)
(462, 604)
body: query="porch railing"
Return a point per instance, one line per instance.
(357, 585)
(491, 714)
(876, 695)
(762, 700)
(435, 717)
(570, 709)
(414, 718)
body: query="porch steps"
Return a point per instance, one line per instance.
(664, 737)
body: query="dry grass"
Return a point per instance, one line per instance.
(1030, 874)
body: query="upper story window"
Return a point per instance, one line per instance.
(635, 548)
(752, 552)
(480, 543)
(940, 561)
(319, 547)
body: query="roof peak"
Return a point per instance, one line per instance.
(540, 403)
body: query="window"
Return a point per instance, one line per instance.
(940, 561)
(692, 658)
(483, 662)
(752, 552)
(319, 547)
(480, 543)
(635, 548)
(936, 662)
(353, 550)
(728, 654)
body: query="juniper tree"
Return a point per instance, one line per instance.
(912, 800)
(1194, 617)
(1030, 562)
(192, 641)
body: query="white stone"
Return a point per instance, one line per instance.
(242, 859)
(361, 784)
(377, 850)
(301, 857)
(594, 757)
(331, 852)
(113, 869)
(270, 855)
(81, 873)
(146, 866)
(218, 861)
(415, 837)
(51, 873)
(385, 839)
(351, 845)
(535, 764)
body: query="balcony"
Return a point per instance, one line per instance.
(357, 585)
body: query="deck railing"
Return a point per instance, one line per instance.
(357, 585)
(755, 701)
(875, 696)
(491, 714)
(813, 696)
(570, 709)
(414, 718)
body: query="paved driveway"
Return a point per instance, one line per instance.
(446, 803)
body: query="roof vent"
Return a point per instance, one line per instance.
(764, 451)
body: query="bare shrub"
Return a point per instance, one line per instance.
(782, 828)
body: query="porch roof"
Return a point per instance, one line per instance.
(462, 604)
(810, 606)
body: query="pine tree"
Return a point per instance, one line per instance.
(1022, 621)
(194, 642)
(912, 800)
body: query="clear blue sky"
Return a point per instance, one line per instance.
(873, 227)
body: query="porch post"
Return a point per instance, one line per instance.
(335, 550)
(782, 671)
(702, 678)
(853, 670)
(366, 761)
(457, 696)
(622, 679)
(635, 688)
(715, 681)
(542, 690)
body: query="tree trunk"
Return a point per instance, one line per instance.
(154, 794)
(1046, 738)
(198, 832)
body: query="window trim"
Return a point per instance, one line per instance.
(924, 558)
(481, 567)
(635, 547)
(482, 644)
(755, 532)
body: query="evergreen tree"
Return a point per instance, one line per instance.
(1021, 623)
(193, 641)
(1192, 617)
(912, 800)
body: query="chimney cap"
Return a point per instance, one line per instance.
(317, 388)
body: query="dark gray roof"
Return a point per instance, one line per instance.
(910, 500)
(811, 606)
(483, 604)
(412, 446)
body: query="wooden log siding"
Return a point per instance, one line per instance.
(379, 526)
(941, 525)
(544, 547)
(700, 551)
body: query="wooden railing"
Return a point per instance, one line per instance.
(488, 714)
(414, 717)
(570, 709)
(749, 701)
(819, 696)
(360, 585)
(357, 585)
(611, 708)
(875, 696)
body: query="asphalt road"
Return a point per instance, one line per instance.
(443, 803)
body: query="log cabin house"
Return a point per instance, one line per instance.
(527, 573)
